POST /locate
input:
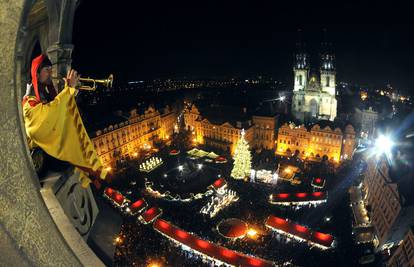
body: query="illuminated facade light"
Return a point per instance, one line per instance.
(118, 240)
(154, 264)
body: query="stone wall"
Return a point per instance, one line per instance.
(28, 235)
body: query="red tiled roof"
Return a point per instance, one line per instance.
(210, 249)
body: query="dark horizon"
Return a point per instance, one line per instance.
(138, 42)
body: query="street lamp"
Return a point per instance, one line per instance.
(282, 98)
(251, 233)
(118, 240)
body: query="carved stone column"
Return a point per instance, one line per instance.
(61, 58)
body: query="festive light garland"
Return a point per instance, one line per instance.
(299, 199)
(167, 195)
(222, 199)
(150, 164)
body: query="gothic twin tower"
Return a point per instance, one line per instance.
(313, 96)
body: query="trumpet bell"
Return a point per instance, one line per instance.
(110, 80)
(83, 83)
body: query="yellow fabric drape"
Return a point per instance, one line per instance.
(57, 128)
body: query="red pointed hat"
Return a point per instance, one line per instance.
(37, 63)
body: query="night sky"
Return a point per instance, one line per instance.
(204, 40)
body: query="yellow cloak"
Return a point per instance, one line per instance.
(57, 128)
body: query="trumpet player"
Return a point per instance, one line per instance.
(53, 123)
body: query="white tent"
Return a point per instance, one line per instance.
(212, 155)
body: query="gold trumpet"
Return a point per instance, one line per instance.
(90, 84)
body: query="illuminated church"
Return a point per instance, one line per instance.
(314, 95)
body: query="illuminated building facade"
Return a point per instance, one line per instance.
(403, 255)
(390, 214)
(259, 130)
(365, 120)
(126, 139)
(316, 143)
(313, 96)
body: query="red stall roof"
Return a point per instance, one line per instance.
(219, 183)
(114, 195)
(138, 205)
(298, 197)
(209, 249)
(318, 182)
(118, 198)
(151, 214)
(325, 240)
(174, 152)
(300, 231)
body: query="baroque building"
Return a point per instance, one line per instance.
(224, 130)
(391, 213)
(313, 95)
(316, 142)
(127, 138)
(365, 119)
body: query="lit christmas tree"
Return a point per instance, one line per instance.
(242, 159)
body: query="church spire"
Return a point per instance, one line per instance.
(301, 57)
(327, 55)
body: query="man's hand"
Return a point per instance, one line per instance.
(72, 78)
